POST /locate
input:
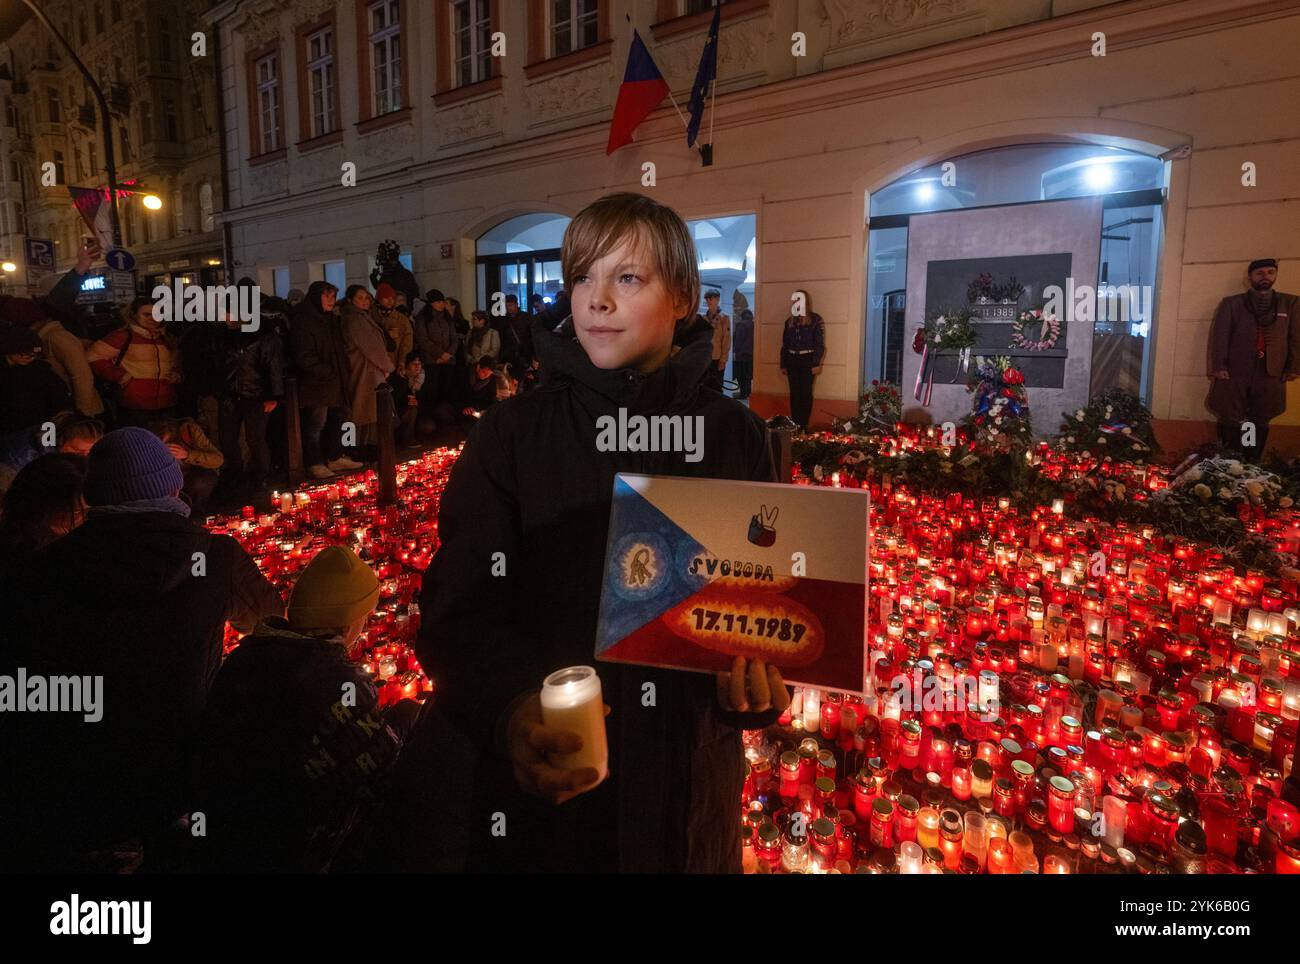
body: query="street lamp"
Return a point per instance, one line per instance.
(9, 267)
(151, 201)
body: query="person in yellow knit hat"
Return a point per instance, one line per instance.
(293, 752)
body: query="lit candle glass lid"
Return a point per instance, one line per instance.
(570, 686)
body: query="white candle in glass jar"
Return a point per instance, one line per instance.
(812, 710)
(572, 701)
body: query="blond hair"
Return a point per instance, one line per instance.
(657, 229)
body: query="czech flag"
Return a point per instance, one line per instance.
(643, 89)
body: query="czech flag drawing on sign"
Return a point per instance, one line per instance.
(642, 90)
(700, 571)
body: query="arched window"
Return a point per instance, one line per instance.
(1131, 186)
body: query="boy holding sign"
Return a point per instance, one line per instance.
(523, 523)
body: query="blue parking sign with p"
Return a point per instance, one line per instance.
(40, 253)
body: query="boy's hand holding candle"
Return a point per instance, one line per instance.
(556, 738)
(756, 691)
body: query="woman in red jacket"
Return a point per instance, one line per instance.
(143, 362)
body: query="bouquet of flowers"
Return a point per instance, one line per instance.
(879, 411)
(1215, 499)
(999, 417)
(946, 331)
(1046, 327)
(1115, 423)
(949, 330)
(984, 288)
(981, 287)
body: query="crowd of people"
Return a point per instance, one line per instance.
(278, 757)
(215, 392)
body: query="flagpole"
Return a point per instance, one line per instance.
(680, 115)
(713, 106)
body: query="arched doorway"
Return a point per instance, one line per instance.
(1131, 186)
(521, 256)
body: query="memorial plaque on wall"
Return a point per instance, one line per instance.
(949, 286)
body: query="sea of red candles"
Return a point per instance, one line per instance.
(1044, 694)
(397, 541)
(1109, 698)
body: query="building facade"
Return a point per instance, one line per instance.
(470, 130)
(162, 102)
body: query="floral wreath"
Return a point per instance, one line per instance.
(1050, 331)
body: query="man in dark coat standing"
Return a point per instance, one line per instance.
(1254, 350)
(137, 597)
(436, 339)
(316, 346)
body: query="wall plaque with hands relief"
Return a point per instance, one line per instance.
(700, 571)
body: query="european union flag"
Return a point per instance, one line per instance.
(704, 76)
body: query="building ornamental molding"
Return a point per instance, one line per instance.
(386, 146)
(856, 21)
(466, 122)
(569, 94)
(260, 26)
(741, 53)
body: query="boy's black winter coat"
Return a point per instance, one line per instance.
(532, 484)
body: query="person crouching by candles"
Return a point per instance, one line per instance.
(803, 346)
(197, 456)
(293, 751)
(137, 596)
(532, 487)
(1254, 350)
(406, 383)
(482, 387)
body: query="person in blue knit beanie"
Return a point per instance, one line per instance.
(130, 466)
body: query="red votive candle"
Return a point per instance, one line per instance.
(961, 783)
(1060, 804)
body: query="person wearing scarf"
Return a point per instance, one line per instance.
(1254, 350)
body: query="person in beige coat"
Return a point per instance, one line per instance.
(65, 352)
(369, 362)
(721, 325)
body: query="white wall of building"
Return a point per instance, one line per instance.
(800, 143)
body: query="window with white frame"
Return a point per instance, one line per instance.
(178, 212)
(472, 39)
(386, 56)
(574, 25)
(320, 80)
(267, 72)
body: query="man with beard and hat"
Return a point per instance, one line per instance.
(1254, 350)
